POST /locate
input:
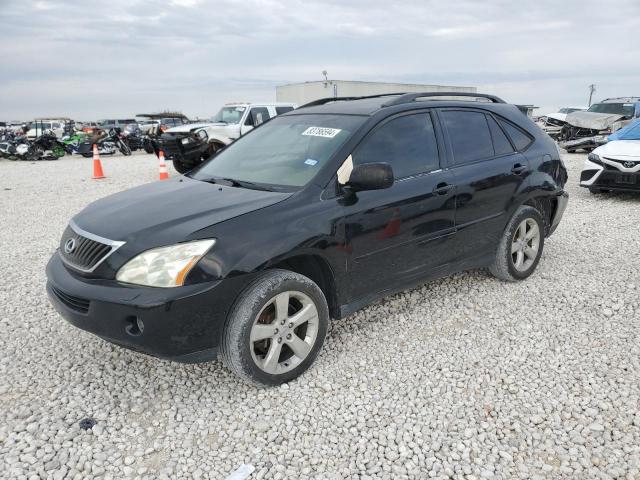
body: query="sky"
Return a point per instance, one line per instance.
(90, 59)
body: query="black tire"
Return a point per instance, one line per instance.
(182, 167)
(238, 352)
(504, 266)
(124, 148)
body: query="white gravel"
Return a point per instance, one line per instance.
(466, 377)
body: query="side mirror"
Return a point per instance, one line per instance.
(370, 176)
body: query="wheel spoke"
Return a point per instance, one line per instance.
(299, 347)
(306, 314)
(260, 332)
(514, 247)
(270, 364)
(519, 259)
(522, 230)
(282, 305)
(532, 233)
(530, 252)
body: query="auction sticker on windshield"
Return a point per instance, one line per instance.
(321, 132)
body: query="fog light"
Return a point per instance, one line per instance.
(134, 327)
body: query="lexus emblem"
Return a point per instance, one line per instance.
(70, 246)
(629, 164)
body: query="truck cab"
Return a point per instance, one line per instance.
(189, 145)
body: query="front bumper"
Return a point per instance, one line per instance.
(174, 149)
(584, 142)
(182, 324)
(606, 176)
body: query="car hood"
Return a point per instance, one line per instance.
(592, 120)
(189, 127)
(162, 213)
(620, 149)
(558, 116)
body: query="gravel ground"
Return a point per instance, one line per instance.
(466, 377)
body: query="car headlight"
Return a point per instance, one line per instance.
(594, 158)
(164, 266)
(186, 140)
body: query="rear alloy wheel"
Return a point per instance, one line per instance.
(521, 246)
(276, 328)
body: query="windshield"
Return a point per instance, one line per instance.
(229, 115)
(569, 110)
(285, 152)
(613, 108)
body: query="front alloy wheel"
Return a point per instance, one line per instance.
(284, 332)
(275, 330)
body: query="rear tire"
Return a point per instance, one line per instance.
(520, 247)
(276, 329)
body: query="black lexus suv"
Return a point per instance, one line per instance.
(311, 216)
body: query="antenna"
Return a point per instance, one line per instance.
(592, 90)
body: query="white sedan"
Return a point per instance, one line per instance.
(613, 166)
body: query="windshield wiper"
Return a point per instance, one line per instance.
(246, 184)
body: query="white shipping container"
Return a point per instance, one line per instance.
(302, 93)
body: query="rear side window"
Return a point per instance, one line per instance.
(501, 143)
(520, 139)
(281, 110)
(469, 134)
(407, 143)
(257, 116)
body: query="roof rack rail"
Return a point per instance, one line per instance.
(412, 97)
(322, 101)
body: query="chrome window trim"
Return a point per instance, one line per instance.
(115, 245)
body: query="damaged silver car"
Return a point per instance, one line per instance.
(590, 129)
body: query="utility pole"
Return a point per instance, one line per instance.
(592, 89)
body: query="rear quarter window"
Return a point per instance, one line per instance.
(519, 137)
(281, 110)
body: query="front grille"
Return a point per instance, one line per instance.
(78, 304)
(622, 162)
(82, 252)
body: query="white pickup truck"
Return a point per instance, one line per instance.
(189, 145)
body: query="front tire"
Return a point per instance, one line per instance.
(276, 329)
(182, 167)
(520, 247)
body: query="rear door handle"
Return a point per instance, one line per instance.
(442, 188)
(519, 169)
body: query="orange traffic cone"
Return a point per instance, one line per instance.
(164, 174)
(97, 166)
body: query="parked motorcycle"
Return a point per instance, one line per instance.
(72, 143)
(48, 146)
(106, 145)
(45, 147)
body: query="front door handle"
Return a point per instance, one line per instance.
(519, 169)
(442, 188)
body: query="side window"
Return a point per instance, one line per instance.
(520, 139)
(501, 143)
(257, 115)
(407, 143)
(281, 110)
(470, 136)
